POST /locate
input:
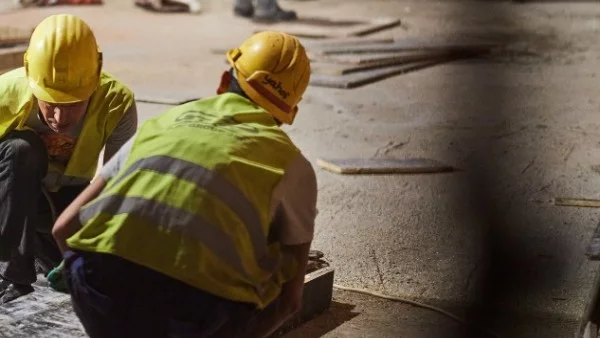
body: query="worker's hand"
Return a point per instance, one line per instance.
(289, 303)
(56, 279)
(290, 299)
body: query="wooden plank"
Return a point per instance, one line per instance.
(12, 57)
(355, 166)
(358, 79)
(326, 28)
(346, 41)
(166, 100)
(310, 44)
(334, 68)
(374, 26)
(577, 202)
(407, 45)
(10, 36)
(361, 59)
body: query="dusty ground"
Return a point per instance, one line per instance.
(522, 126)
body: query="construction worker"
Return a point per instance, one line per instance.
(265, 11)
(57, 113)
(205, 217)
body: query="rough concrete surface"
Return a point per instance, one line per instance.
(521, 125)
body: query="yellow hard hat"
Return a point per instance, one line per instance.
(273, 70)
(63, 62)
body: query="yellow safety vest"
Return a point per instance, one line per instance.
(107, 106)
(193, 200)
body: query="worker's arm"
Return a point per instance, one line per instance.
(68, 223)
(293, 223)
(122, 133)
(290, 299)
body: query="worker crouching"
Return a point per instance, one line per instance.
(203, 221)
(57, 113)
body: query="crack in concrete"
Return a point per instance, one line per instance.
(470, 277)
(379, 273)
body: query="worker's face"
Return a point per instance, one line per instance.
(224, 84)
(62, 118)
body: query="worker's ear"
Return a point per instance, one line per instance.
(225, 81)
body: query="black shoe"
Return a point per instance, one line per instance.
(10, 291)
(244, 12)
(274, 15)
(3, 285)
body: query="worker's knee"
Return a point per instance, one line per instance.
(24, 151)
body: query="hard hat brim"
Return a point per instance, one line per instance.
(60, 97)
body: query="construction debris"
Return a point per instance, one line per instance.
(360, 78)
(352, 65)
(383, 166)
(342, 58)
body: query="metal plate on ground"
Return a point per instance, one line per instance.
(355, 166)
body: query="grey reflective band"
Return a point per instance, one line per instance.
(219, 187)
(172, 218)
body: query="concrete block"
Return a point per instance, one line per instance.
(318, 293)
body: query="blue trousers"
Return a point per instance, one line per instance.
(114, 298)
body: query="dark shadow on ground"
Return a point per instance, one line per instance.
(338, 314)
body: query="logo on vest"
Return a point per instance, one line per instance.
(277, 86)
(215, 123)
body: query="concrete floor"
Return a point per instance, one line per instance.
(522, 126)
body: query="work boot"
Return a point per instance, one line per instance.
(10, 291)
(273, 14)
(243, 11)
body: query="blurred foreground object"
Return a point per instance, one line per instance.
(27, 3)
(192, 6)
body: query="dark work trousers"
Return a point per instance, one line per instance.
(24, 210)
(115, 298)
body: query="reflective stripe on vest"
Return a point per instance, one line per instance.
(174, 218)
